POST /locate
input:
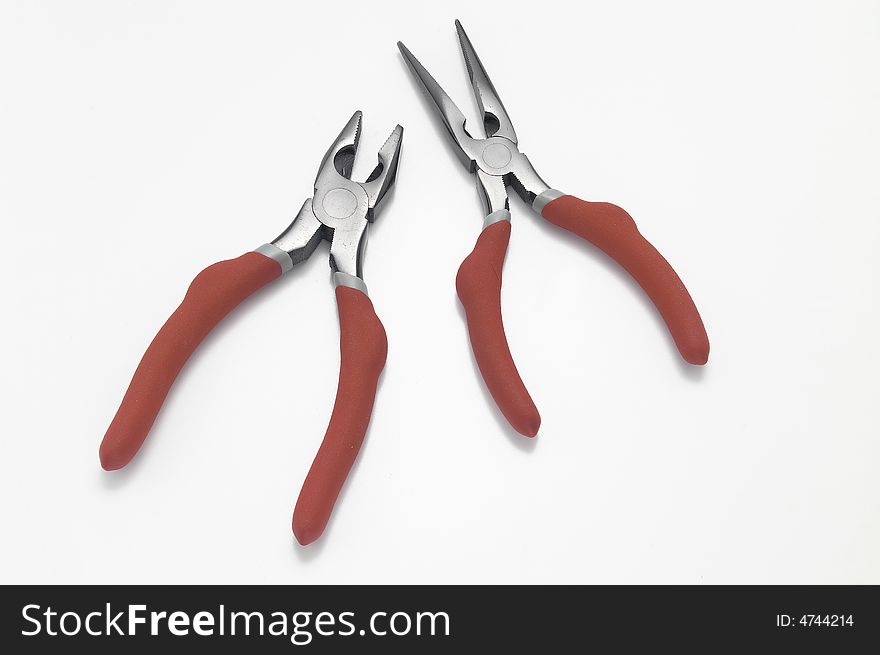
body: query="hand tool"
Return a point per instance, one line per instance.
(339, 211)
(498, 163)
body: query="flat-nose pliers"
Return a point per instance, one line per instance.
(340, 212)
(498, 163)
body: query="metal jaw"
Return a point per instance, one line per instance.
(496, 159)
(341, 209)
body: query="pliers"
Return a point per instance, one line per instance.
(340, 212)
(498, 163)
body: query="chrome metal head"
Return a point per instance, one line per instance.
(496, 158)
(340, 209)
(337, 197)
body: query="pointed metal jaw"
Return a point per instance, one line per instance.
(496, 122)
(341, 209)
(450, 114)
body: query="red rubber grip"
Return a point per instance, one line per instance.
(479, 288)
(613, 231)
(214, 293)
(363, 347)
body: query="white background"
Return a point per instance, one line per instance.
(140, 142)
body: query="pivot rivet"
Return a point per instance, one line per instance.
(496, 155)
(339, 203)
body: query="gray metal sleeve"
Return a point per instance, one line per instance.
(496, 217)
(544, 198)
(276, 253)
(346, 280)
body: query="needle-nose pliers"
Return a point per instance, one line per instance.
(498, 163)
(340, 212)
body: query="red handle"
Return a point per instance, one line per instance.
(479, 288)
(363, 348)
(214, 293)
(613, 231)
